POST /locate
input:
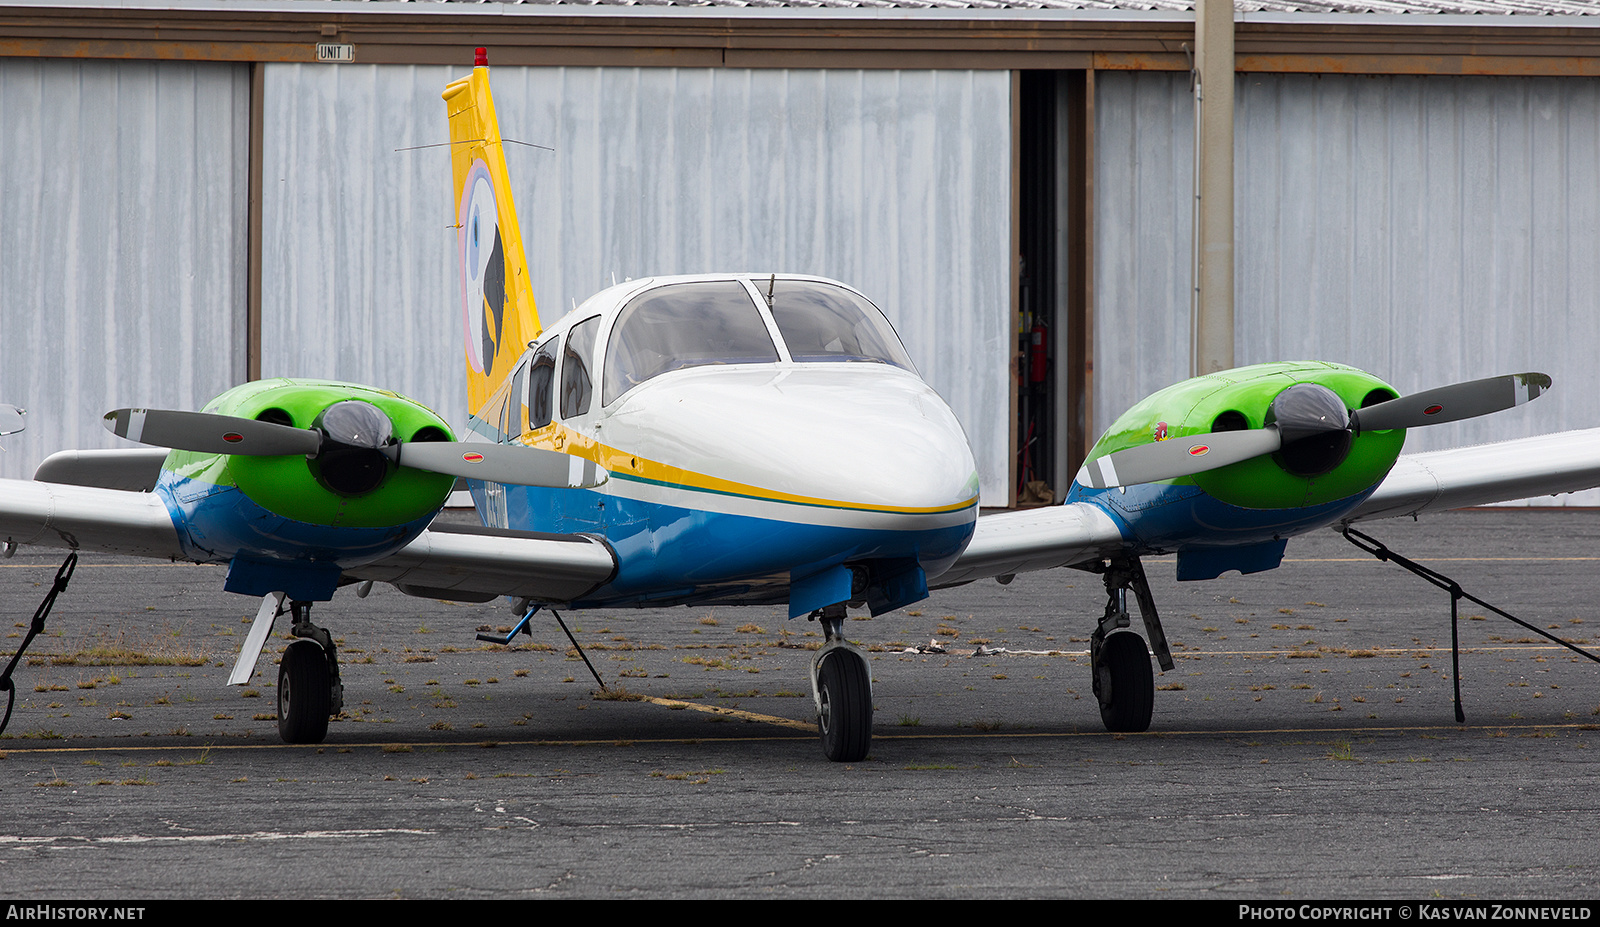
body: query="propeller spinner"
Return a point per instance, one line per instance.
(1310, 429)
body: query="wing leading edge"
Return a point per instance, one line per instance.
(87, 518)
(1035, 539)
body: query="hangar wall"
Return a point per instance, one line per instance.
(122, 276)
(1427, 229)
(897, 182)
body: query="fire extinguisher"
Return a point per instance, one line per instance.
(1038, 352)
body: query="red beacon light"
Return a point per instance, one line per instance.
(480, 58)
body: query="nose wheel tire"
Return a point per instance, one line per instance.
(304, 693)
(1125, 683)
(844, 695)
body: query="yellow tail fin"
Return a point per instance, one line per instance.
(496, 299)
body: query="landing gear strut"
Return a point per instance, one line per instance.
(1123, 680)
(309, 691)
(841, 683)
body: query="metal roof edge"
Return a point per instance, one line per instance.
(408, 8)
(1445, 20)
(362, 8)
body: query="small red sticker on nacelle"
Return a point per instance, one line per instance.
(233, 437)
(1199, 450)
(472, 458)
(1433, 410)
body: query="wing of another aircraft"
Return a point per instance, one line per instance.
(475, 564)
(1499, 472)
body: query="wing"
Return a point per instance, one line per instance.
(1034, 539)
(1519, 469)
(474, 564)
(464, 562)
(1066, 535)
(88, 518)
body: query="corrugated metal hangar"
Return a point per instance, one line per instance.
(191, 197)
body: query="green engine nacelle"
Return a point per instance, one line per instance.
(1241, 398)
(293, 486)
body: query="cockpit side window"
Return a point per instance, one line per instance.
(576, 386)
(541, 384)
(685, 325)
(512, 421)
(822, 322)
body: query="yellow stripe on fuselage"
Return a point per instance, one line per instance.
(625, 465)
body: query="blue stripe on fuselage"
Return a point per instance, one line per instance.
(670, 553)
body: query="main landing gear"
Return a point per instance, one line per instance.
(841, 683)
(1123, 680)
(309, 691)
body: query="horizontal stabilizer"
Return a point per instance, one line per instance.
(134, 469)
(11, 419)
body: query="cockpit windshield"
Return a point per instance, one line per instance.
(685, 325)
(822, 322)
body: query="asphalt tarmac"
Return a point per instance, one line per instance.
(1304, 747)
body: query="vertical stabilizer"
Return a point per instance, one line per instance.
(497, 308)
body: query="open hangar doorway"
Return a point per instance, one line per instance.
(1053, 363)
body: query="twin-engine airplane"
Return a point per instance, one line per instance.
(736, 439)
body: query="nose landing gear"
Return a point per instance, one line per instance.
(309, 691)
(1123, 680)
(841, 684)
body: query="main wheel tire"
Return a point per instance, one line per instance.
(1127, 683)
(844, 686)
(305, 693)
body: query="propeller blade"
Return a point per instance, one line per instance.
(1451, 403)
(208, 433)
(516, 464)
(1175, 457)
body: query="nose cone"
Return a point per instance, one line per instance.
(351, 461)
(864, 438)
(356, 423)
(1314, 425)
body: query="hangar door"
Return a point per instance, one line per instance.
(1427, 229)
(122, 279)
